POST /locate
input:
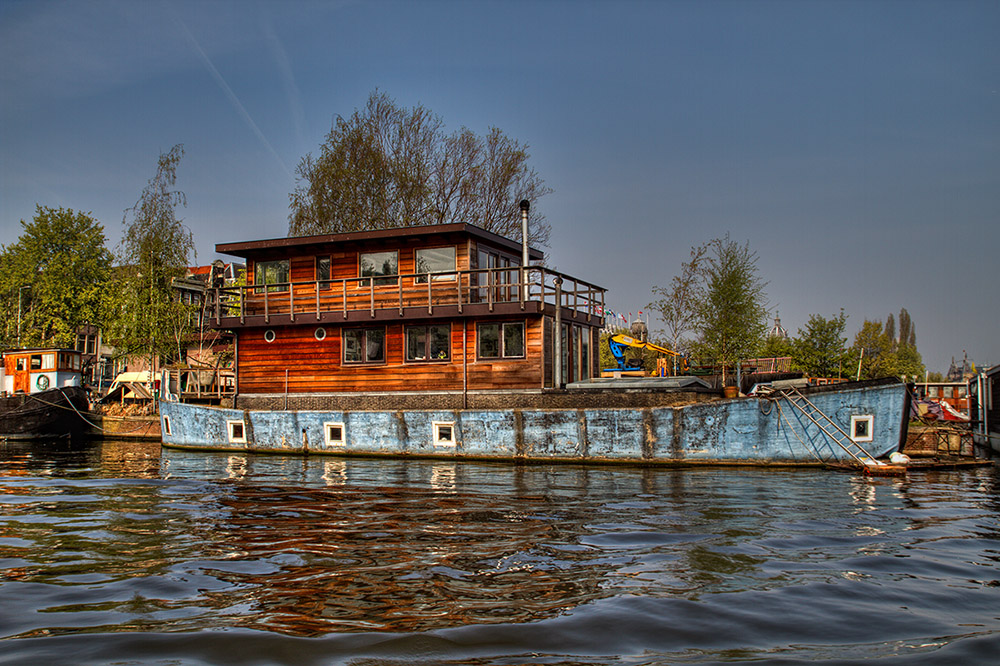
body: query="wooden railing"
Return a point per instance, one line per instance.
(291, 300)
(201, 383)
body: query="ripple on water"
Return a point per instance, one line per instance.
(227, 559)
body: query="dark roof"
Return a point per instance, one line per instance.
(249, 249)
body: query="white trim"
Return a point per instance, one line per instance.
(869, 420)
(328, 428)
(444, 433)
(231, 430)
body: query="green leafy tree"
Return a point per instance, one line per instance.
(387, 166)
(52, 278)
(882, 353)
(732, 315)
(821, 348)
(144, 316)
(873, 351)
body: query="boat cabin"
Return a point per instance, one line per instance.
(37, 370)
(443, 308)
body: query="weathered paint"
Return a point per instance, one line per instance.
(744, 430)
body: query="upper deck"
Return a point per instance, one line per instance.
(431, 272)
(462, 293)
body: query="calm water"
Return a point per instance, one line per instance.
(121, 553)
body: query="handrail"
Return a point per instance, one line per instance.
(518, 285)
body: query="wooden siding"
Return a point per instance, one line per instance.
(316, 366)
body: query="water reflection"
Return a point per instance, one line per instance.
(119, 538)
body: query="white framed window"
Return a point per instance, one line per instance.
(334, 434)
(439, 262)
(861, 428)
(237, 432)
(269, 335)
(444, 433)
(166, 425)
(320, 333)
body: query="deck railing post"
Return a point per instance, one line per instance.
(371, 302)
(317, 300)
(343, 284)
(291, 301)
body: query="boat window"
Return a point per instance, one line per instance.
(320, 333)
(932, 391)
(334, 434)
(444, 433)
(237, 432)
(364, 345)
(439, 261)
(166, 425)
(585, 354)
(49, 361)
(20, 364)
(273, 273)
(269, 335)
(861, 428)
(428, 343)
(323, 272)
(36, 361)
(375, 264)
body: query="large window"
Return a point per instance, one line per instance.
(438, 261)
(273, 273)
(500, 340)
(428, 343)
(364, 345)
(375, 264)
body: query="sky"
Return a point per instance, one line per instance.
(854, 144)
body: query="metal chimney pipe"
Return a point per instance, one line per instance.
(525, 205)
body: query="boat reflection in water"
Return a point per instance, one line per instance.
(110, 554)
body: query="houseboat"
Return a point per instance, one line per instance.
(448, 341)
(43, 396)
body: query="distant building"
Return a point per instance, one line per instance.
(777, 331)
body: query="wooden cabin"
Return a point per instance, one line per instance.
(37, 370)
(443, 308)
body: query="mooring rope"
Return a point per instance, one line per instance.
(84, 418)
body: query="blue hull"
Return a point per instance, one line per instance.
(742, 430)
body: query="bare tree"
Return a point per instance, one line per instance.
(387, 166)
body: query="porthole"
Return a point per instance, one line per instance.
(269, 335)
(320, 333)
